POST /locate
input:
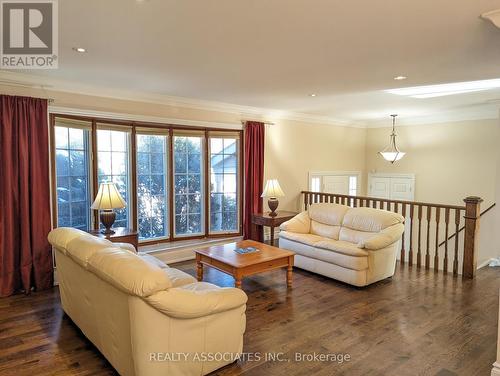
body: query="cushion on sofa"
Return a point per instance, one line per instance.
(301, 223)
(371, 220)
(384, 238)
(128, 272)
(61, 236)
(308, 239)
(343, 247)
(178, 277)
(354, 236)
(327, 213)
(83, 247)
(326, 231)
(357, 262)
(154, 260)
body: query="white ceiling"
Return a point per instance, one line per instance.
(272, 54)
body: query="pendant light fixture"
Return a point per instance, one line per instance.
(391, 153)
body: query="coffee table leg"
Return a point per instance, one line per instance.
(289, 272)
(199, 268)
(237, 280)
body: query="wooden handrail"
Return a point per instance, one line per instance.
(463, 227)
(387, 200)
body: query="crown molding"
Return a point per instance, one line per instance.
(484, 111)
(49, 84)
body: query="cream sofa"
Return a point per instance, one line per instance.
(354, 245)
(141, 314)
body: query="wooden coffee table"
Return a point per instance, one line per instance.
(225, 259)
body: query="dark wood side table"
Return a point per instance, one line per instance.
(121, 235)
(264, 219)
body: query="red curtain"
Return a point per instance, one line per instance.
(25, 254)
(254, 178)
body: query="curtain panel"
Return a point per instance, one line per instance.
(254, 178)
(25, 254)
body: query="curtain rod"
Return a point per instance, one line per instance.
(265, 122)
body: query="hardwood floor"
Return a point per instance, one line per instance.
(417, 323)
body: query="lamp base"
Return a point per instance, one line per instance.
(273, 205)
(107, 219)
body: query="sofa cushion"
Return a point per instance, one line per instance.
(371, 220)
(85, 246)
(326, 231)
(343, 247)
(178, 277)
(154, 260)
(308, 239)
(354, 236)
(61, 236)
(128, 272)
(328, 214)
(337, 258)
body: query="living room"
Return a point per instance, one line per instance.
(249, 188)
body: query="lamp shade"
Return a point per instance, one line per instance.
(272, 189)
(108, 198)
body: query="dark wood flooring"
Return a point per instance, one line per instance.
(417, 323)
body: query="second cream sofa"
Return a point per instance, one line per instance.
(354, 245)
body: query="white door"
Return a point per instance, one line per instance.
(338, 184)
(380, 187)
(402, 189)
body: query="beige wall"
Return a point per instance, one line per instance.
(450, 161)
(292, 148)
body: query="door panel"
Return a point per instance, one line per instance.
(338, 184)
(402, 189)
(380, 187)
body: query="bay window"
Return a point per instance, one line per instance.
(178, 183)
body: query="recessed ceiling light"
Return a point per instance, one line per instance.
(399, 78)
(79, 49)
(442, 90)
(312, 95)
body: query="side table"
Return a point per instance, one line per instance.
(264, 219)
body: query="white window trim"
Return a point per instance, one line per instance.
(321, 174)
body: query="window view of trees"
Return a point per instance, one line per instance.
(152, 186)
(188, 191)
(73, 199)
(223, 185)
(174, 183)
(112, 164)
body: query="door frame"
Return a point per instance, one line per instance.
(320, 175)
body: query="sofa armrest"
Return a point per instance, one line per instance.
(197, 300)
(301, 224)
(384, 238)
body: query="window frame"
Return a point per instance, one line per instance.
(169, 130)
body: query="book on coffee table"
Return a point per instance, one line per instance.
(243, 251)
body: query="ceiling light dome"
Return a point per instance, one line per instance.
(391, 153)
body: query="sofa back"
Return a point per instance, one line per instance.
(355, 225)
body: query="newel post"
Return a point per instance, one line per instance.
(471, 240)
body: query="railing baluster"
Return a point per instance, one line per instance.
(306, 199)
(419, 251)
(427, 249)
(403, 213)
(436, 254)
(447, 222)
(457, 237)
(410, 252)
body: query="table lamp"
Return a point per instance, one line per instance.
(272, 190)
(107, 199)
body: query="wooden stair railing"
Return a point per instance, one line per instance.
(424, 225)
